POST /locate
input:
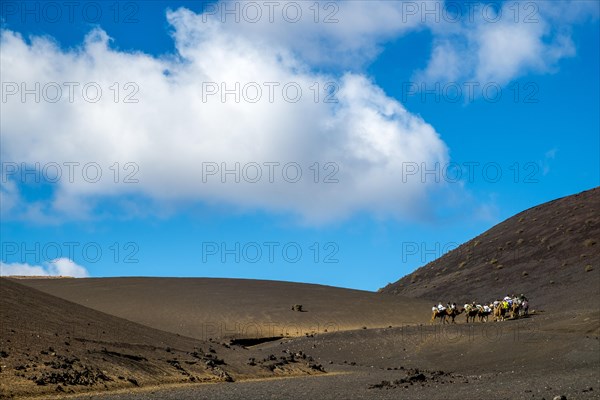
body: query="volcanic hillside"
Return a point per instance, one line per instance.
(549, 252)
(206, 308)
(49, 345)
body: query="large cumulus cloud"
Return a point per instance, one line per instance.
(175, 128)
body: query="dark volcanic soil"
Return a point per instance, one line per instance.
(49, 345)
(535, 358)
(550, 252)
(224, 308)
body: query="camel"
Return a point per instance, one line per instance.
(448, 312)
(471, 312)
(525, 307)
(439, 314)
(483, 315)
(500, 312)
(453, 313)
(515, 310)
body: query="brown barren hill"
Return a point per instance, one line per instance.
(550, 252)
(206, 308)
(52, 346)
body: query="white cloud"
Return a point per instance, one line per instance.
(172, 131)
(58, 267)
(521, 38)
(14, 206)
(546, 163)
(481, 44)
(333, 33)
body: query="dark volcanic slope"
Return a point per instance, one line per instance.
(219, 308)
(550, 252)
(49, 345)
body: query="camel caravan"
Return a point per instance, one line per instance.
(511, 307)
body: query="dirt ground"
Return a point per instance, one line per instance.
(52, 346)
(167, 338)
(205, 308)
(535, 358)
(73, 349)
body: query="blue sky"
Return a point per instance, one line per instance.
(426, 128)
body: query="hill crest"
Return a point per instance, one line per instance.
(550, 252)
